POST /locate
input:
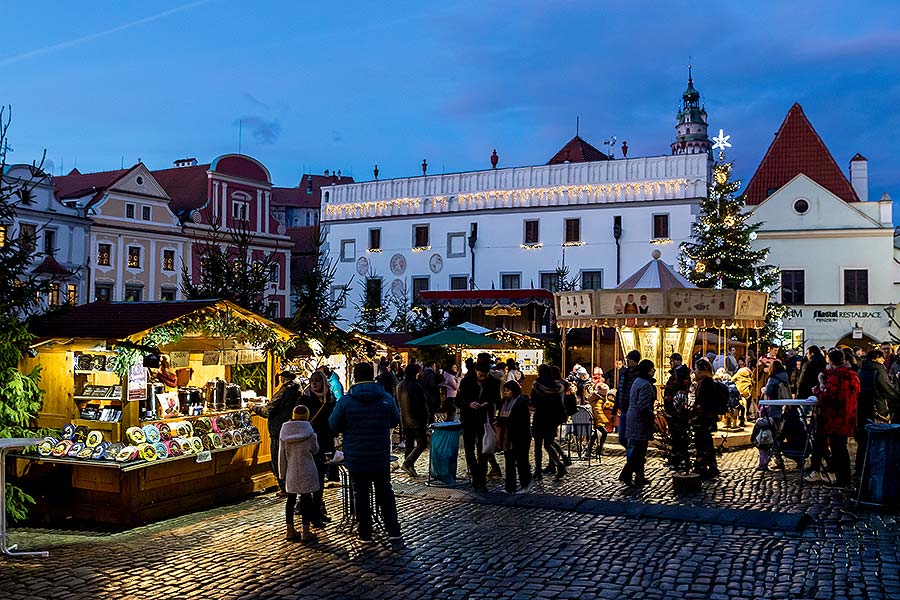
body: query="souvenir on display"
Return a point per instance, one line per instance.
(84, 362)
(112, 452)
(146, 451)
(99, 451)
(227, 438)
(136, 435)
(196, 444)
(127, 453)
(81, 433)
(94, 438)
(85, 452)
(151, 433)
(62, 447)
(162, 451)
(45, 448)
(237, 437)
(68, 431)
(74, 449)
(98, 363)
(165, 432)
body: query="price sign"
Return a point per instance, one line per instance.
(204, 456)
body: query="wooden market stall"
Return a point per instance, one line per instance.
(135, 440)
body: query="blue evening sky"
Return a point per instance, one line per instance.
(346, 85)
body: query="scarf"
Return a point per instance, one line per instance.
(508, 406)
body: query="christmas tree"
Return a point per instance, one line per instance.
(721, 253)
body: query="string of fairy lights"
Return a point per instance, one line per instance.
(515, 198)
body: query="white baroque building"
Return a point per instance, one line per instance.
(834, 247)
(599, 217)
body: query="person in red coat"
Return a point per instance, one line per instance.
(836, 420)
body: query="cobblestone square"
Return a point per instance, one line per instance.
(469, 547)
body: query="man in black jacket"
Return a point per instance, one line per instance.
(878, 402)
(415, 416)
(476, 400)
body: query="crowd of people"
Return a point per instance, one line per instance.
(852, 388)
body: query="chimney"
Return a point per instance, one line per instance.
(186, 162)
(859, 176)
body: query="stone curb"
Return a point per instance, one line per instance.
(751, 519)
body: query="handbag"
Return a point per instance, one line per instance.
(489, 439)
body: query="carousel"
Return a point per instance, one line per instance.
(658, 312)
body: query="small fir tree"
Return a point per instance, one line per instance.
(316, 311)
(404, 320)
(230, 269)
(372, 308)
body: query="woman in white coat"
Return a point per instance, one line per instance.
(297, 466)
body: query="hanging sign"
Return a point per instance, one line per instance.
(210, 358)
(574, 304)
(229, 357)
(179, 359)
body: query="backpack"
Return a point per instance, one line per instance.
(721, 398)
(765, 437)
(734, 397)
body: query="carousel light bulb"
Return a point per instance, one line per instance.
(747, 283)
(753, 235)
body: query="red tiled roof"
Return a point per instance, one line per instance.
(577, 151)
(77, 184)
(306, 195)
(796, 149)
(113, 320)
(187, 186)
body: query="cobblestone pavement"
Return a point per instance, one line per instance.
(465, 550)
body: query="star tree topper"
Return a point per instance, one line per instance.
(721, 143)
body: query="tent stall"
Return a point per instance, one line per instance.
(148, 418)
(658, 312)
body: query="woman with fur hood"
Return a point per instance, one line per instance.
(297, 464)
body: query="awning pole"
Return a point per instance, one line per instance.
(563, 351)
(593, 355)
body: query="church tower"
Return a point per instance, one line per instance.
(691, 124)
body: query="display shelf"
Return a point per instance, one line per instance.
(98, 398)
(123, 467)
(189, 417)
(91, 371)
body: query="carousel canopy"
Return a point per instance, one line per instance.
(487, 298)
(657, 296)
(655, 275)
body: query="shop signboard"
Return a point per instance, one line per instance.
(617, 304)
(573, 305)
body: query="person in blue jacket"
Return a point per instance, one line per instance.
(366, 415)
(334, 382)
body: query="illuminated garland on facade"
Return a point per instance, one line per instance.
(562, 194)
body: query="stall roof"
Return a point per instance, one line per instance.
(488, 298)
(121, 320)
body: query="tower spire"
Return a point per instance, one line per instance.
(691, 122)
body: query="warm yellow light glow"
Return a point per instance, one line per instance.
(532, 246)
(421, 248)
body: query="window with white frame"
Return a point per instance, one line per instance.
(146, 213)
(510, 281)
(134, 257)
(456, 244)
(168, 261)
(348, 250)
(339, 295)
(459, 282)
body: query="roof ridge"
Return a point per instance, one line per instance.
(797, 148)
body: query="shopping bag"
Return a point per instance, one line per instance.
(488, 440)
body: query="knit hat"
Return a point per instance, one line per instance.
(301, 413)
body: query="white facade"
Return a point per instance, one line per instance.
(60, 232)
(500, 202)
(829, 241)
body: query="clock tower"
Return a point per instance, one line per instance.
(691, 123)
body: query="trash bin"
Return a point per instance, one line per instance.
(881, 486)
(444, 453)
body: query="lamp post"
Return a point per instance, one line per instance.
(473, 237)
